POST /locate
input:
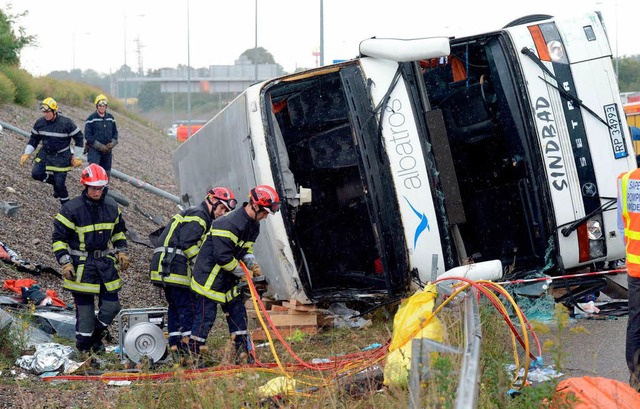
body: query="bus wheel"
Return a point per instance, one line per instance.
(528, 19)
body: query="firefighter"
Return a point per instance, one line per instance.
(177, 247)
(55, 158)
(217, 271)
(101, 133)
(82, 232)
(629, 226)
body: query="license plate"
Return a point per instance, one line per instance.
(615, 131)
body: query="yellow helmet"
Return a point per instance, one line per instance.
(49, 104)
(101, 98)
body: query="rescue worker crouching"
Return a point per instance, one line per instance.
(217, 271)
(177, 247)
(55, 158)
(81, 235)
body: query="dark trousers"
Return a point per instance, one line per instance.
(179, 313)
(99, 158)
(86, 326)
(205, 316)
(633, 331)
(57, 179)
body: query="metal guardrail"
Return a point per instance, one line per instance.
(115, 173)
(468, 381)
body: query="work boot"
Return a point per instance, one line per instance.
(196, 351)
(83, 344)
(96, 339)
(243, 357)
(178, 355)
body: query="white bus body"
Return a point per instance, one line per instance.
(425, 155)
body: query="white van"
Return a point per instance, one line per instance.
(424, 155)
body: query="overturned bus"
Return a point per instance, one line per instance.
(424, 155)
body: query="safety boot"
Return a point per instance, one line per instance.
(96, 339)
(197, 350)
(243, 357)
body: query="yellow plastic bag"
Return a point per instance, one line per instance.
(277, 386)
(415, 316)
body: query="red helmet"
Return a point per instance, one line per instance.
(266, 198)
(224, 195)
(94, 175)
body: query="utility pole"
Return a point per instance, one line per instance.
(139, 47)
(124, 67)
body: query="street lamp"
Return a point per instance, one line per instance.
(321, 33)
(188, 76)
(255, 47)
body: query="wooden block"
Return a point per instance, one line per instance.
(284, 319)
(295, 305)
(279, 308)
(258, 334)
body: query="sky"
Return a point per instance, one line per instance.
(156, 34)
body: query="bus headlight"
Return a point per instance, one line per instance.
(556, 50)
(594, 229)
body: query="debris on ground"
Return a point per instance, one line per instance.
(49, 357)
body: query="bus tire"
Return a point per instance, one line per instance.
(528, 19)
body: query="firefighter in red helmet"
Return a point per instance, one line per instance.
(81, 235)
(177, 246)
(217, 270)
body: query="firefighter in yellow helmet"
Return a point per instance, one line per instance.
(55, 158)
(101, 133)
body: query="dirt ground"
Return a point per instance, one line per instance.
(144, 154)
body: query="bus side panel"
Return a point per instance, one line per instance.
(231, 151)
(204, 160)
(402, 143)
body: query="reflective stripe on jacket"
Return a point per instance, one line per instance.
(629, 194)
(230, 238)
(55, 135)
(100, 128)
(180, 243)
(87, 226)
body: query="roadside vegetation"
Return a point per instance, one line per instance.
(225, 386)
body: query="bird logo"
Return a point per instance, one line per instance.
(422, 226)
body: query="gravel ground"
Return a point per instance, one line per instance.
(142, 153)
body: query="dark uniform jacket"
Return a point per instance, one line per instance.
(100, 129)
(230, 238)
(56, 138)
(83, 230)
(178, 245)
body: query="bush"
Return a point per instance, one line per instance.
(7, 90)
(65, 92)
(22, 80)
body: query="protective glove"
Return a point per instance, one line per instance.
(76, 162)
(123, 261)
(255, 269)
(102, 148)
(68, 272)
(24, 158)
(108, 147)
